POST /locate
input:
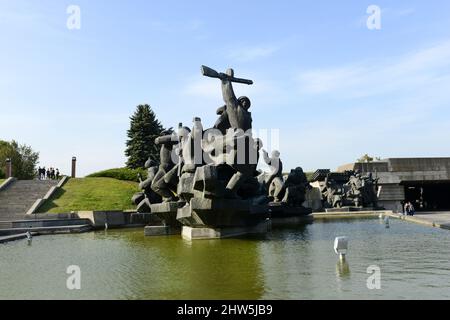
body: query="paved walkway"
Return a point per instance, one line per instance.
(438, 219)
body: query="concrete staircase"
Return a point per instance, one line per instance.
(20, 196)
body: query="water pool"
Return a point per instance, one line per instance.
(291, 263)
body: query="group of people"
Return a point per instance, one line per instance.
(48, 174)
(409, 209)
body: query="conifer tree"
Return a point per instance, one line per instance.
(144, 128)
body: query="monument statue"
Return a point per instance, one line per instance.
(349, 189)
(215, 183)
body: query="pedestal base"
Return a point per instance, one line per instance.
(152, 231)
(190, 233)
(221, 213)
(167, 212)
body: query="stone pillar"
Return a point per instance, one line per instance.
(8, 168)
(74, 166)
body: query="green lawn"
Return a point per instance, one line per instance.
(92, 194)
(1, 181)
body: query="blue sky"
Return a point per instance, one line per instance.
(334, 88)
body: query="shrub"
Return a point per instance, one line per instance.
(125, 174)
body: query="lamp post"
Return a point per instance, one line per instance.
(74, 166)
(8, 168)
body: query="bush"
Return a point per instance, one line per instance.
(124, 174)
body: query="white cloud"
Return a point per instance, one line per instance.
(426, 68)
(392, 107)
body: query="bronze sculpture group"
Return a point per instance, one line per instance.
(209, 178)
(357, 191)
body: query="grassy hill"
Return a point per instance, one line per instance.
(94, 194)
(1, 181)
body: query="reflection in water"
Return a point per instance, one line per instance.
(294, 263)
(342, 269)
(342, 275)
(287, 262)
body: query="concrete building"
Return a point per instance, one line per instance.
(423, 181)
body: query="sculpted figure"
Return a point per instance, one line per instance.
(235, 146)
(275, 176)
(333, 193)
(356, 184)
(147, 196)
(236, 110)
(369, 195)
(166, 179)
(296, 185)
(191, 157)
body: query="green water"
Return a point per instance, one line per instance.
(294, 263)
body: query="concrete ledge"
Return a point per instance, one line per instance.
(117, 219)
(47, 223)
(15, 237)
(35, 206)
(7, 183)
(48, 230)
(190, 233)
(422, 221)
(99, 219)
(351, 214)
(62, 181)
(50, 192)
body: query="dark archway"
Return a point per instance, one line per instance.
(428, 196)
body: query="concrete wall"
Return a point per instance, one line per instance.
(116, 219)
(419, 164)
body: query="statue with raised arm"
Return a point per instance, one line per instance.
(234, 114)
(235, 122)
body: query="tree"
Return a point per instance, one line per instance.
(144, 129)
(366, 159)
(23, 159)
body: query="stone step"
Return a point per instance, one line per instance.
(17, 199)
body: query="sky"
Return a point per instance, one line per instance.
(331, 87)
